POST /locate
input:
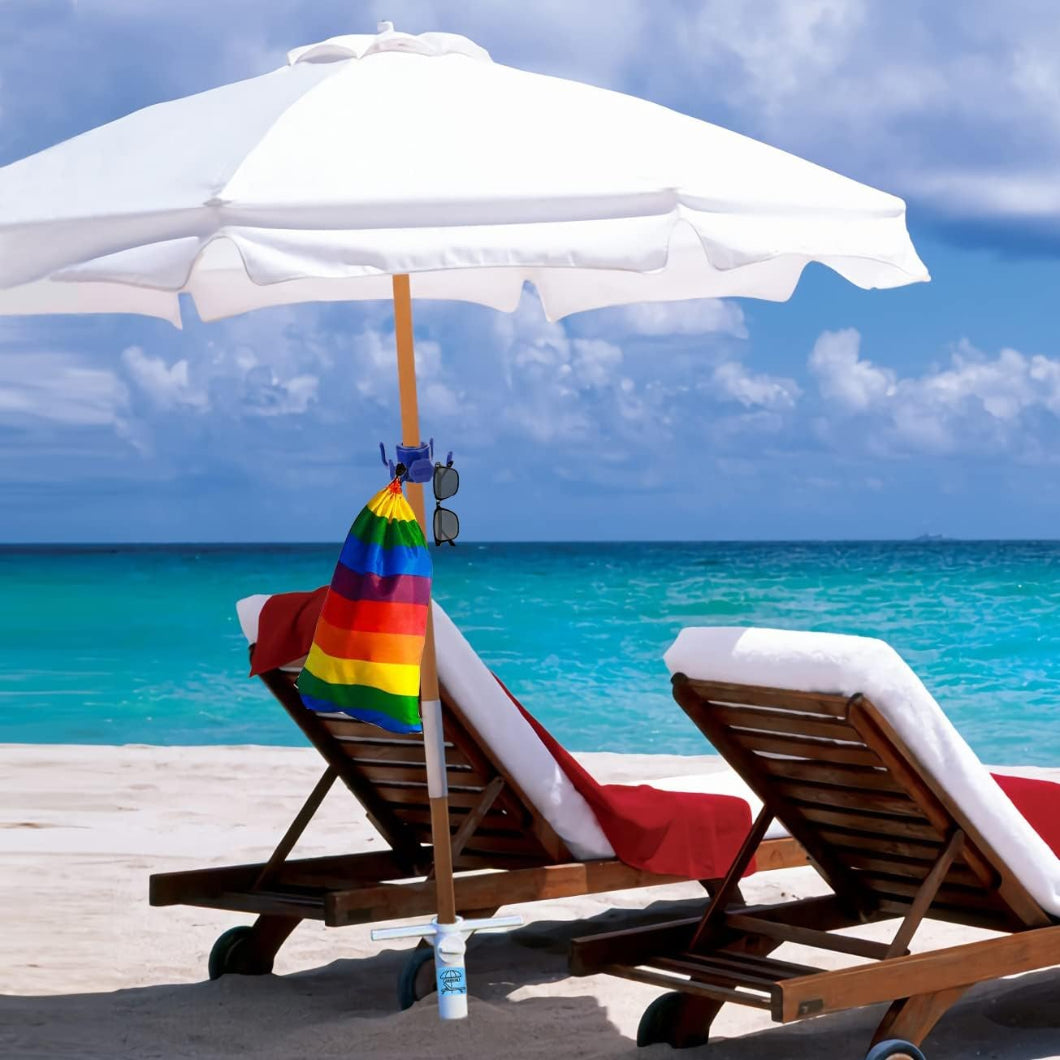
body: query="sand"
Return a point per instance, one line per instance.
(89, 969)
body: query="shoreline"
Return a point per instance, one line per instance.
(625, 763)
(91, 969)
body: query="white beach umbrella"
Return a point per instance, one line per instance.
(396, 165)
(369, 156)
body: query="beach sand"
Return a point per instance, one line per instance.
(89, 969)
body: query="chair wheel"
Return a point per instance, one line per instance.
(231, 955)
(661, 1024)
(417, 977)
(894, 1047)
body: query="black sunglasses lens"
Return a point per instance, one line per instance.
(446, 526)
(446, 482)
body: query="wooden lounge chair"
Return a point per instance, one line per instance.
(891, 836)
(495, 825)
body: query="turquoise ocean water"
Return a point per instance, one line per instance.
(118, 645)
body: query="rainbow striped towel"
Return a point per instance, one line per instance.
(365, 658)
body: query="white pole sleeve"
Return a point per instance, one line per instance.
(450, 976)
(434, 748)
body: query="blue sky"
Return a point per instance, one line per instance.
(841, 413)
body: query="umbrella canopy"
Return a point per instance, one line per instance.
(369, 156)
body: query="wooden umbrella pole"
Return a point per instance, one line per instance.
(430, 699)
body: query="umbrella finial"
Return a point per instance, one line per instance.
(384, 27)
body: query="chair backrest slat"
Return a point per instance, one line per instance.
(387, 772)
(854, 796)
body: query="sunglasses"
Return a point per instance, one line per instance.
(446, 523)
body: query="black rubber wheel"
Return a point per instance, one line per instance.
(660, 1022)
(230, 955)
(417, 977)
(894, 1047)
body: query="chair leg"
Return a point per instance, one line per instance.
(690, 1019)
(692, 1024)
(722, 897)
(713, 886)
(912, 1018)
(267, 935)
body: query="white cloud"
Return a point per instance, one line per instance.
(232, 379)
(733, 380)
(562, 37)
(441, 400)
(372, 371)
(976, 405)
(1045, 373)
(59, 388)
(843, 377)
(744, 432)
(556, 384)
(1026, 195)
(541, 359)
(1002, 387)
(565, 391)
(919, 98)
(698, 317)
(263, 393)
(374, 362)
(594, 362)
(168, 387)
(779, 44)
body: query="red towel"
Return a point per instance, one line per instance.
(674, 833)
(285, 629)
(671, 833)
(1039, 802)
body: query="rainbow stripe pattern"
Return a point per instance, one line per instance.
(365, 658)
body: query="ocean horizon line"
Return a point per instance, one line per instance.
(922, 539)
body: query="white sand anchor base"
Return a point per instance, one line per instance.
(450, 944)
